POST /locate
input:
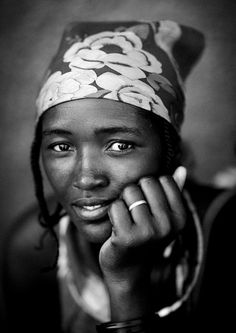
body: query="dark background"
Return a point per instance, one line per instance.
(30, 31)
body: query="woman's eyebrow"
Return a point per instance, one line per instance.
(117, 129)
(56, 131)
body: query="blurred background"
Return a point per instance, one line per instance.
(30, 32)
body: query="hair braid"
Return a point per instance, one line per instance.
(171, 148)
(45, 219)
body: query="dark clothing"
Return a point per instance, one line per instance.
(217, 301)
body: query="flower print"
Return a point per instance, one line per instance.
(125, 54)
(87, 59)
(73, 39)
(97, 59)
(63, 87)
(133, 92)
(146, 61)
(159, 81)
(141, 30)
(48, 92)
(167, 34)
(126, 41)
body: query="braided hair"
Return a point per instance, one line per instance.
(47, 221)
(171, 152)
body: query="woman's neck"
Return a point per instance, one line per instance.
(90, 251)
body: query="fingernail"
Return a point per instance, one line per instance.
(180, 176)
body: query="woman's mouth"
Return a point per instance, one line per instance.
(91, 209)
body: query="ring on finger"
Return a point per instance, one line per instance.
(137, 203)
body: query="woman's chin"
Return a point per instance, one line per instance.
(96, 232)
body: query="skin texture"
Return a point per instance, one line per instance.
(107, 154)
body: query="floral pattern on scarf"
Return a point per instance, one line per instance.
(112, 65)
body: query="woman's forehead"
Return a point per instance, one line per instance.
(95, 112)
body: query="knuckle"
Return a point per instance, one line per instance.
(143, 237)
(128, 243)
(146, 180)
(117, 203)
(119, 243)
(124, 241)
(167, 179)
(129, 190)
(113, 207)
(147, 234)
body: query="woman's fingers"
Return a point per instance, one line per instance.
(158, 204)
(136, 231)
(120, 218)
(131, 195)
(159, 212)
(165, 201)
(174, 197)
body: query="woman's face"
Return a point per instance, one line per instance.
(92, 149)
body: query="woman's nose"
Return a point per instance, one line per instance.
(87, 180)
(90, 174)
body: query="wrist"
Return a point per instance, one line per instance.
(129, 300)
(127, 281)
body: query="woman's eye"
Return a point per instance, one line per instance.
(62, 147)
(120, 146)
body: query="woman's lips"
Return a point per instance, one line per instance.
(91, 210)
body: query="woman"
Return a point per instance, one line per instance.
(108, 123)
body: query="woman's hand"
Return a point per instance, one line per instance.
(127, 257)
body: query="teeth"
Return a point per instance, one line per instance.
(92, 207)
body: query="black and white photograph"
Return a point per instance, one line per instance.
(118, 166)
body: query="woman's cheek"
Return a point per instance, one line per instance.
(131, 170)
(59, 173)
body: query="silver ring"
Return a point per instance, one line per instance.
(137, 203)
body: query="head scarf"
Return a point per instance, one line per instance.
(138, 63)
